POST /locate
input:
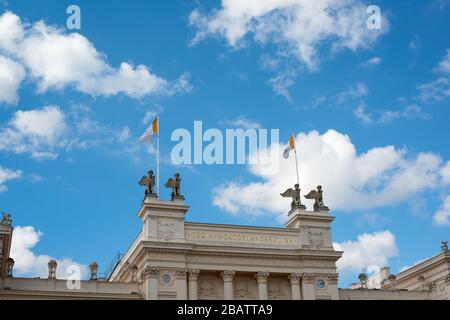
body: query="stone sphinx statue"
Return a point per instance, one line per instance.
(6, 219)
(317, 196)
(294, 194)
(175, 185)
(149, 183)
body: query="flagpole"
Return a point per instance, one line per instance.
(296, 159)
(157, 155)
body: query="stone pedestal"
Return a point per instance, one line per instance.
(315, 228)
(163, 220)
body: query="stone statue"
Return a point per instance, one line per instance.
(175, 185)
(6, 219)
(52, 265)
(444, 246)
(149, 183)
(294, 194)
(93, 268)
(317, 196)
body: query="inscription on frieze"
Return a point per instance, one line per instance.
(241, 237)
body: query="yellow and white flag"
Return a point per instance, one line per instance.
(290, 147)
(150, 132)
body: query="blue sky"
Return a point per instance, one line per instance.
(370, 108)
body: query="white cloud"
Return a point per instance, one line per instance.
(45, 133)
(370, 249)
(442, 216)
(410, 112)
(298, 27)
(356, 91)
(27, 263)
(56, 59)
(372, 62)
(435, 90)
(282, 82)
(445, 173)
(242, 122)
(444, 64)
(37, 132)
(439, 88)
(380, 177)
(11, 76)
(361, 114)
(7, 175)
(11, 31)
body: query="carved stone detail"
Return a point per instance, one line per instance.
(181, 274)
(261, 276)
(294, 278)
(333, 278)
(166, 230)
(149, 273)
(193, 274)
(308, 278)
(228, 275)
(316, 239)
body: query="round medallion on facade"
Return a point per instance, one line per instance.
(321, 284)
(166, 279)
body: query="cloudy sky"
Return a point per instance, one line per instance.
(370, 110)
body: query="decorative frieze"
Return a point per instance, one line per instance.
(241, 237)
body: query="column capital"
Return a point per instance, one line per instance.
(333, 278)
(294, 278)
(181, 273)
(262, 276)
(149, 273)
(228, 275)
(308, 278)
(193, 274)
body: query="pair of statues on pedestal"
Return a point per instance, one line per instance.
(173, 183)
(316, 195)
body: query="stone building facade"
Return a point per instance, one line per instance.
(172, 258)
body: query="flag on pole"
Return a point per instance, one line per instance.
(289, 148)
(150, 132)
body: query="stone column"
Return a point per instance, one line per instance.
(332, 283)
(181, 284)
(261, 278)
(149, 278)
(294, 279)
(309, 289)
(227, 277)
(192, 284)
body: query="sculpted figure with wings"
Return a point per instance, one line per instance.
(317, 196)
(148, 182)
(174, 184)
(294, 194)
